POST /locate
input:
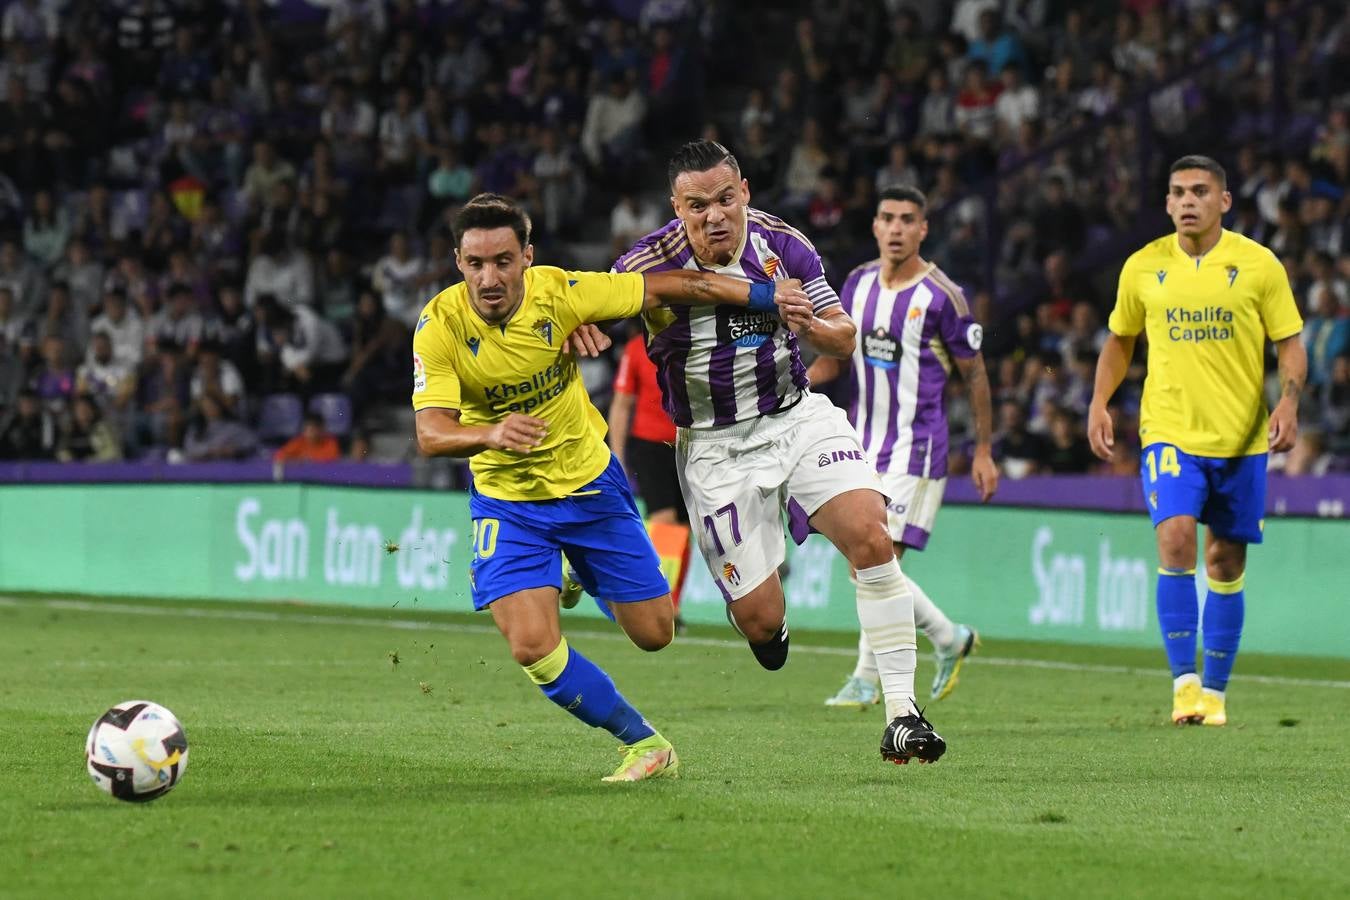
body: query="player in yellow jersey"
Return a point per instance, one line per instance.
(1207, 298)
(493, 380)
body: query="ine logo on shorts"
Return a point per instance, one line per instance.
(730, 574)
(835, 456)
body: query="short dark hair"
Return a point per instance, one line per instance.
(905, 193)
(1196, 161)
(699, 156)
(492, 211)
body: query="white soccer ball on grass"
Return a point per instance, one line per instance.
(137, 751)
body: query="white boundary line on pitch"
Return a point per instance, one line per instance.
(303, 618)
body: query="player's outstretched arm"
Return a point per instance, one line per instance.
(1112, 365)
(440, 433)
(982, 469)
(683, 287)
(1293, 363)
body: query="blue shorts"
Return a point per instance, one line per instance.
(1228, 495)
(518, 543)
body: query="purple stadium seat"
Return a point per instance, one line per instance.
(336, 410)
(280, 417)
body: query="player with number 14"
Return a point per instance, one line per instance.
(1207, 298)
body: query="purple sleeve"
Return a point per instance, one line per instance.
(641, 258)
(959, 331)
(650, 252)
(621, 264)
(800, 260)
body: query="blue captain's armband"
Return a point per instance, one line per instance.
(761, 297)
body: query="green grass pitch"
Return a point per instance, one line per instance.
(319, 767)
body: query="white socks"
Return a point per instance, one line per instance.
(867, 660)
(886, 613)
(931, 620)
(927, 618)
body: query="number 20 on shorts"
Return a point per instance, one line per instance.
(485, 537)
(1165, 462)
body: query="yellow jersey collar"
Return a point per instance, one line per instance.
(1198, 260)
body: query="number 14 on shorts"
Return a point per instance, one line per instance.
(1162, 459)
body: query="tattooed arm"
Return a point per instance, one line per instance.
(1293, 373)
(684, 287)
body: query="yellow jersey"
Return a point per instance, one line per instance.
(1207, 320)
(521, 365)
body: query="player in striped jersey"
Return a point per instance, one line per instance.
(753, 440)
(916, 326)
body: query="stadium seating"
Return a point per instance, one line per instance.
(336, 410)
(280, 418)
(1098, 106)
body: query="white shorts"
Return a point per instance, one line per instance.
(738, 479)
(913, 505)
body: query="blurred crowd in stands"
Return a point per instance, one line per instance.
(219, 220)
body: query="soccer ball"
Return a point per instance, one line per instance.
(137, 751)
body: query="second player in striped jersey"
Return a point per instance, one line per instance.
(722, 365)
(916, 327)
(753, 441)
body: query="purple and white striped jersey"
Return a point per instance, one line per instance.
(906, 340)
(718, 365)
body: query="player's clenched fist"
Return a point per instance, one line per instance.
(517, 432)
(794, 306)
